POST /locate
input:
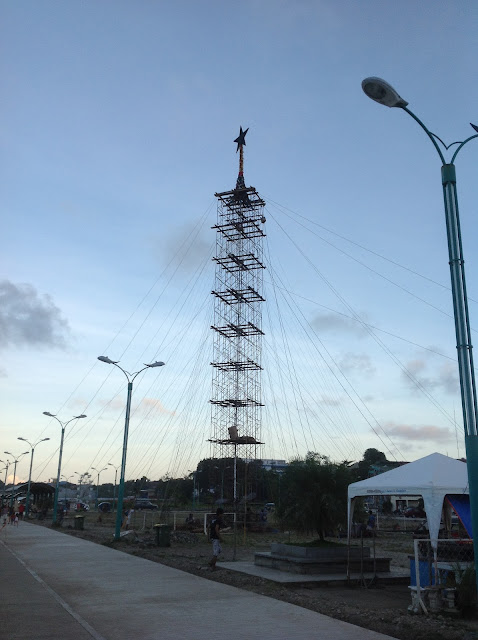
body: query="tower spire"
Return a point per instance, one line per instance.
(241, 143)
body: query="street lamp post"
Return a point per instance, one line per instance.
(7, 464)
(16, 459)
(194, 489)
(63, 427)
(98, 471)
(32, 447)
(114, 489)
(194, 474)
(380, 91)
(222, 480)
(80, 478)
(130, 378)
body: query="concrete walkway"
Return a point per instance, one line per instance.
(57, 587)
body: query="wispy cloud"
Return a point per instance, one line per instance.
(185, 247)
(423, 433)
(28, 318)
(152, 405)
(329, 401)
(357, 363)
(333, 322)
(431, 377)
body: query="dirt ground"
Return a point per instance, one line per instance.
(381, 608)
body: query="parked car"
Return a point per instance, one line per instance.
(144, 504)
(414, 512)
(104, 507)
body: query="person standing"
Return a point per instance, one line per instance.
(215, 536)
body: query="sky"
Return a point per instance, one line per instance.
(117, 128)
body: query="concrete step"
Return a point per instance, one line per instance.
(307, 566)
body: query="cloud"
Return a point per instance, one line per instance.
(357, 363)
(184, 247)
(331, 402)
(431, 377)
(424, 433)
(333, 322)
(115, 404)
(150, 406)
(28, 318)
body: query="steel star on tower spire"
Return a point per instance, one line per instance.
(241, 143)
(241, 139)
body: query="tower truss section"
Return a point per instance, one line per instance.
(238, 297)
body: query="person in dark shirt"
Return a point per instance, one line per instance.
(215, 536)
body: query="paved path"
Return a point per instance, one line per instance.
(58, 587)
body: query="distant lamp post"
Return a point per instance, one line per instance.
(63, 427)
(222, 479)
(194, 474)
(16, 459)
(32, 447)
(7, 464)
(383, 93)
(80, 478)
(130, 378)
(114, 488)
(98, 471)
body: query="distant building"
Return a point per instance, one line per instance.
(275, 465)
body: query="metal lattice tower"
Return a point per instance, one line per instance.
(236, 385)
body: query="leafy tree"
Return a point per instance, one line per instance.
(314, 495)
(374, 456)
(370, 457)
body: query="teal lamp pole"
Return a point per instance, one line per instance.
(380, 91)
(57, 486)
(32, 447)
(16, 459)
(130, 377)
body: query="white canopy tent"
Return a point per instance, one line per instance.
(432, 477)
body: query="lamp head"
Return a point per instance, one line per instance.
(155, 364)
(8, 452)
(21, 439)
(107, 360)
(382, 92)
(82, 416)
(47, 413)
(44, 439)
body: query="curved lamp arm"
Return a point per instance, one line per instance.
(462, 145)
(130, 376)
(429, 134)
